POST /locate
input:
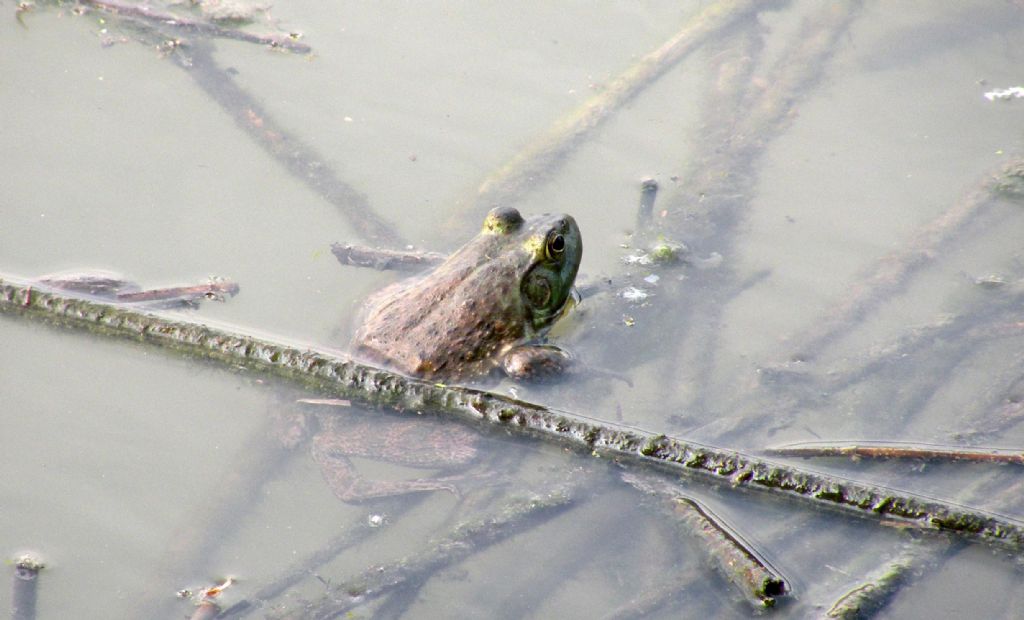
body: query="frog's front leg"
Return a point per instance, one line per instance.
(536, 361)
(348, 486)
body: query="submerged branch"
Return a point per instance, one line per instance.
(301, 160)
(541, 159)
(343, 377)
(731, 556)
(891, 273)
(462, 541)
(734, 559)
(882, 586)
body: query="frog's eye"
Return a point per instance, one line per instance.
(556, 245)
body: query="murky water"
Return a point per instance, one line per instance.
(128, 469)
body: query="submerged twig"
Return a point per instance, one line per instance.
(899, 451)
(645, 211)
(187, 25)
(345, 378)
(206, 610)
(383, 259)
(715, 192)
(463, 540)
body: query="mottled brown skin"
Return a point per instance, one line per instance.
(485, 307)
(503, 289)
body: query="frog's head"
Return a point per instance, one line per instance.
(548, 249)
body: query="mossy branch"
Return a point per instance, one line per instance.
(343, 377)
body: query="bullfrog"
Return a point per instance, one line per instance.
(488, 306)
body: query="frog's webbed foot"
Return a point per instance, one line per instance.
(536, 361)
(101, 284)
(348, 486)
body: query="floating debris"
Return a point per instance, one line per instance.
(634, 295)
(641, 258)
(990, 281)
(652, 279)
(1014, 92)
(376, 520)
(667, 252)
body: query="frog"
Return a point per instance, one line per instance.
(488, 306)
(485, 310)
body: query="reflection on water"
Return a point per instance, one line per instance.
(849, 273)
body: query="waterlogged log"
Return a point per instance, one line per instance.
(339, 376)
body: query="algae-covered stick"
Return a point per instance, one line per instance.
(340, 376)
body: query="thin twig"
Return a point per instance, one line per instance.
(308, 566)
(899, 451)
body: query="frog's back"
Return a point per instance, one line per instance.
(451, 323)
